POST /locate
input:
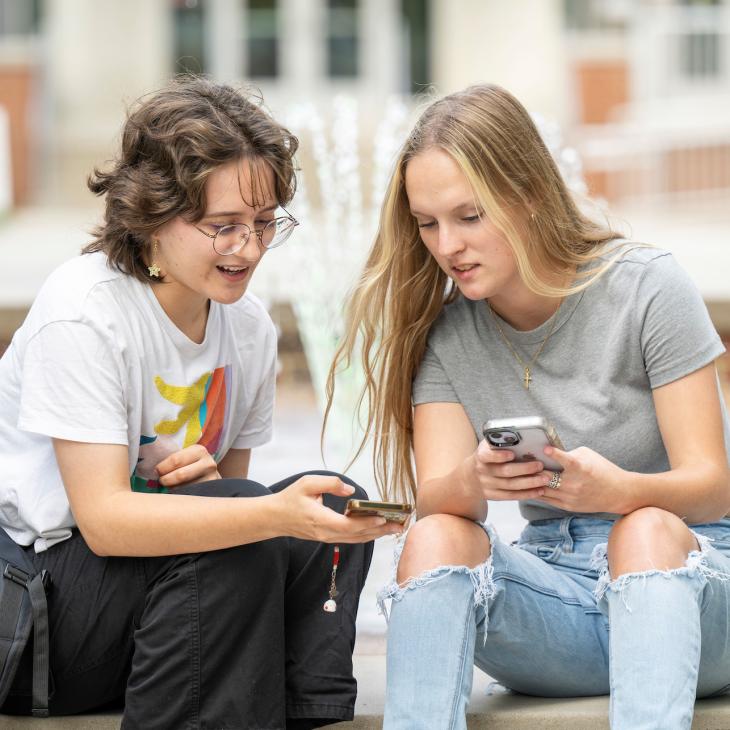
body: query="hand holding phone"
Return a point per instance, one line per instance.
(392, 511)
(525, 437)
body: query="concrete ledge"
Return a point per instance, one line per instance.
(110, 721)
(506, 711)
(499, 711)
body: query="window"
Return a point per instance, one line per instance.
(597, 14)
(19, 17)
(262, 38)
(189, 36)
(700, 55)
(700, 45)
(343, 41)
(416, 44)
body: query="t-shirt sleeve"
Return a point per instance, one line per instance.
(258, 426)
(73, 386)
(431, 384)
(677, 335)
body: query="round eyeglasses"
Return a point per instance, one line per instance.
(228, 240)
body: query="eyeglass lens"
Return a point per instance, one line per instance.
(230, 239)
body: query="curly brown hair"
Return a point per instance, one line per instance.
(172, 140)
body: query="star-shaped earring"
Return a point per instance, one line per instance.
(153, 268)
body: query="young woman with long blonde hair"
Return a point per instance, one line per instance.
(489, 294)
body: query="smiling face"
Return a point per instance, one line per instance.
(193, 272)
(469, 249)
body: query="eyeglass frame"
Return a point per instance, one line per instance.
(258, 233)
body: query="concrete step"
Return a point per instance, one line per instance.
(489, 709)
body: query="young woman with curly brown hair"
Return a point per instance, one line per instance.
(130, 400)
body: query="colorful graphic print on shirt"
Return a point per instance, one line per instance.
(202, 417)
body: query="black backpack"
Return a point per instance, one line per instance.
(22, 606)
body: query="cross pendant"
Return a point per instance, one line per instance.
(528, 378)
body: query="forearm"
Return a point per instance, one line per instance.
(127, 523)
(451, 494)
(697, 494)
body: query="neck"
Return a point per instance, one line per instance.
(524, 310)
(188, 313)
(525, 315)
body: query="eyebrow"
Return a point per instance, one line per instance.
(461, 206)
(228, 213)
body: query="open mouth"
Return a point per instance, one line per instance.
(233, 272)
(463, 269)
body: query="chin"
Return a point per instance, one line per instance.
(228, 296)
(231, 298)
(474, 293)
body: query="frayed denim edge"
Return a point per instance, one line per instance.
(482, 576)
(696, 564)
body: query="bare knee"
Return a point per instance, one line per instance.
(649, 539)
(442, 540)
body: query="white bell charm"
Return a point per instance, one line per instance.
(330, 606)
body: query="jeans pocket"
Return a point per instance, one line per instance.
(548, 550)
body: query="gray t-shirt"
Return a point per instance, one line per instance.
(641, 325)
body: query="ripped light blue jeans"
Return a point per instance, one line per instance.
(536, 616)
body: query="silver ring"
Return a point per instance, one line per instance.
(554, 482)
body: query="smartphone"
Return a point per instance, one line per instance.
(526, 437)
(392, 511)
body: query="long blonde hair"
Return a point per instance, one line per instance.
(402, 289)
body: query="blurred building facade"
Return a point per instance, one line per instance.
(640, 87)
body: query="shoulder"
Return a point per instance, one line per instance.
(457, 324)
(460, 313)
(641, 270)
(66, 293)
(638, 260)
(75, 278)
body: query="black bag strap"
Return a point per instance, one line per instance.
(14, 593)
(21, 580)
(37, 590)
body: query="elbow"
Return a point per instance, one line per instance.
(95, 533)
(719, 486)
(724, 488)
(104, 523)
(95, 542)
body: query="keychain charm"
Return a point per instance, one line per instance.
(329, 605)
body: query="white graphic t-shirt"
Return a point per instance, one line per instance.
(97, 360)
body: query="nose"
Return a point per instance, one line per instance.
(252, 250)
(449, 242)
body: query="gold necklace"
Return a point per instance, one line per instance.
(527, 377)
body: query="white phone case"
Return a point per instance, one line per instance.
(534, 433)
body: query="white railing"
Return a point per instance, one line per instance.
(642, 161)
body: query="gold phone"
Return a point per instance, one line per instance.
(392, 511)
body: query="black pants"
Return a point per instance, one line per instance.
(233, 638)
